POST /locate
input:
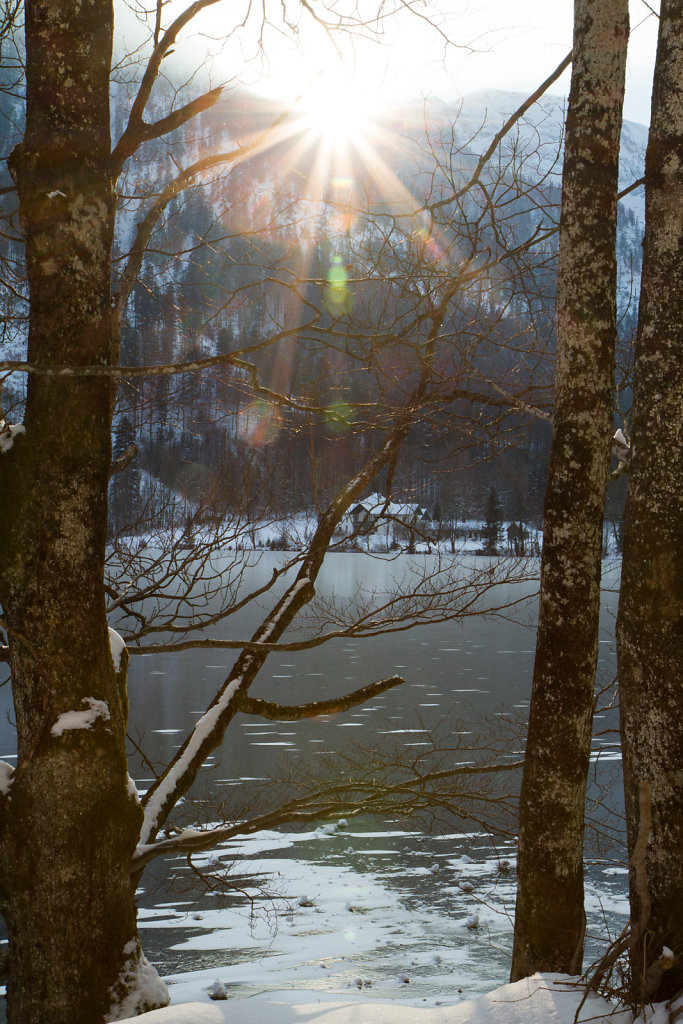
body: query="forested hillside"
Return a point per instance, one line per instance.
(318, 277)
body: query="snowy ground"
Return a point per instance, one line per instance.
(295, 531)
(541, 999)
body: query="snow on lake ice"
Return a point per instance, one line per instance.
(350, 904)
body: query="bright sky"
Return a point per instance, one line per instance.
(476, 44)
(493, 44)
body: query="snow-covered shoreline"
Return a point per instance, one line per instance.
(541, 999)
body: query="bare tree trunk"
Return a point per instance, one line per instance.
(650, 623)
(550, 919)
(69, 824)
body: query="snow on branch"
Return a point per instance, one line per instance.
(8, 431)
(118, 646)
(180, 772)
(209, 731)
(300, 586)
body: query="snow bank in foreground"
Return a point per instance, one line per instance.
(541, 999)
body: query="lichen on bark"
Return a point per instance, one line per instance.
(550, 919)
(650, 620)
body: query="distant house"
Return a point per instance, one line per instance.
(362, 517)
(397, 520)
(466, 530)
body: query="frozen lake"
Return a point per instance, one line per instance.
(387, 897)
(394, 907)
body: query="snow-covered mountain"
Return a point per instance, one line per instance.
(537, 143)
(417, 131)
(538, 135)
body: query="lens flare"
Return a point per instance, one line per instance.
(338, 295)
(339, 416)
(259, 423)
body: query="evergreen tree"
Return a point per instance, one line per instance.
(494, 522)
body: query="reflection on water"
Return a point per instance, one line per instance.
(468, 672)
(460, 678)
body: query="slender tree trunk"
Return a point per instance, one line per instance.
(68, 822)
(550, 919)
(650, 623)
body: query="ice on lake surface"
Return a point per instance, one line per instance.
(390, 911)
(375, 909)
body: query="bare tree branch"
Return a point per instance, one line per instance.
(295, 712)
(133, 135)
(182, 181)
(210, 729)
(502, 132)
(131, 140)
(352, 797)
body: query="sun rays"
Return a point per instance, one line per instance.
(331, 160)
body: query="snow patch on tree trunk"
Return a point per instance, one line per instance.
(118, 646)
(71, 720)
(8, 431)
(139, 988)
(6, 777)
(133, 790)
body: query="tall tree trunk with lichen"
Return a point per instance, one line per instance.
(550, 919)
(650, 622)
(68, 822)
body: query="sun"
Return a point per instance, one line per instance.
(338, 109)
(338, 124)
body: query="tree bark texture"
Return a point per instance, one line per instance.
(550, 919)
(68, 823)
(650, 622)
